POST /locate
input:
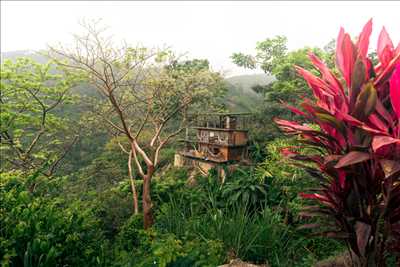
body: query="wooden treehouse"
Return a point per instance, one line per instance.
(215, 140)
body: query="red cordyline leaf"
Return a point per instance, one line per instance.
(383, 112)
(351, 158)
(340, 57)
(395, 91)
(363, 39)
(378, 123)
(363, 231)
(314, 196)
(294, 109)
(385, 47)
(324, 199)
(348, 55)
(336, 86)
(290, 125)
(287, 152)
(320, 89)
(380, 141)
(351, 121)
(372, 130)
(386, 71)
(347, 118)
(342, 178)
(362, 50)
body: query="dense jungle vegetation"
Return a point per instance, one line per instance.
(88, 137)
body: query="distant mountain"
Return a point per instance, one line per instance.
(247, 81)
(24, 53)
(240, 97)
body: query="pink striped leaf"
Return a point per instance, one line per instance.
(385, 47)
(395, 91)
(351, 158)
(363, 39)
(380, 141)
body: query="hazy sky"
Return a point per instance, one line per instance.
(209, 29)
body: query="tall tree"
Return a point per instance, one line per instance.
(146, 95)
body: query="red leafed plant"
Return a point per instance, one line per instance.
(354, 128)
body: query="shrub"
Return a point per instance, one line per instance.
(245, 187)
(155, 248)
(284, 182)
(172, 180)
(354, 132)
(201, 213)
(128, 236)
(38, 230)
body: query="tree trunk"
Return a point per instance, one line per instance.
(134, 192)
(148, 219)
(135, 198)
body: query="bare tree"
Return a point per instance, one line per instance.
(147, 93)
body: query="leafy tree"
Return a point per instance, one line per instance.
(273, 57)
(32, 125)
(269, 52)
(146, 95)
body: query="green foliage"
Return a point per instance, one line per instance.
(129, 234)
(268, 52)
(153, 248)
(245, 187)
(273, 58)
(284, 181)
(267, 234)
(172, 180)
(30, 124)
(235, 227)
(106, 188)
(242, 60)
(38, 230)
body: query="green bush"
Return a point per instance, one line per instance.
(210, 211)
(245, 187)
(172, 180)
(154, 248)
(128, 236)
(39, 230)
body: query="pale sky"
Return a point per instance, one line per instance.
(208, 29)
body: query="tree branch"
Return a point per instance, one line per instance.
(62, 156)
(140, 170)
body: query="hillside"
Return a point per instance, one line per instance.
(240, 97)
(24, 53)
(249, 80)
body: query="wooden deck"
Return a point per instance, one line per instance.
(191, 155)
